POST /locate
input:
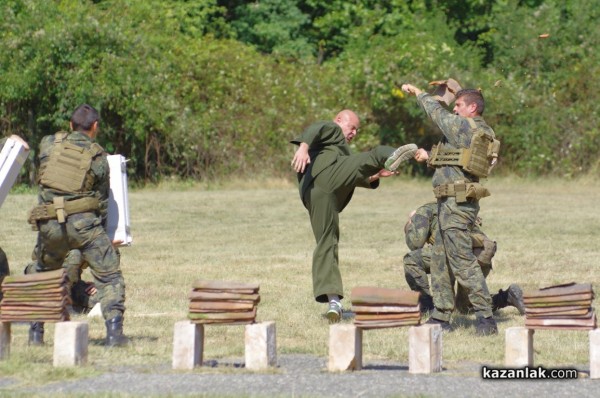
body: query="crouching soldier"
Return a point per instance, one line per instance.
(419, 238)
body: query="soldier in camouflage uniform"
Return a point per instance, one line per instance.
(71, 214)
(419, 231)
(458, 192)
(328, 173)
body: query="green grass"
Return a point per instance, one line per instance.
(547, 232)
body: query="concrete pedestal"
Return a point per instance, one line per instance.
(188, 345)
(518, 351)
(425, 349)
(260, 346)
(70, 343)
(345, 348)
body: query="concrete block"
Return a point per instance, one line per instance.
(518, 351)
(188, 345)
(594, 354)
(70, 343)
(345, 348)
(425, 349)
(260, 346)
(4, 340)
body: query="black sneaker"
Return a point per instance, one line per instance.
(486, 326)
(515, 298)
(444, 324)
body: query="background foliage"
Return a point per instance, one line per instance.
(209, 88)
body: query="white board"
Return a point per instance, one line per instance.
(12, 157)
(118, 227)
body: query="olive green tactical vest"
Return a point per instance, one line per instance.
(68, 166)
(478, 159)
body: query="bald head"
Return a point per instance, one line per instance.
(348, 122)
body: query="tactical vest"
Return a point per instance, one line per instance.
(478, 159)
(68, 166)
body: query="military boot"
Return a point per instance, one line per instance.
(486, 326)
(36, 333)
(114, 332)
(513, 296)
(426, 303)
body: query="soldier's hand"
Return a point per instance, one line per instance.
(301, 158)
(421, 155)
(409, 88)
(21, 140)
(117, 242)
(386, 173)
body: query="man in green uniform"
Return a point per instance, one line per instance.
(419, 231)
(71, 214)
(328, 173)
(466, 153)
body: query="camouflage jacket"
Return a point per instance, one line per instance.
(457, 134)
(99, 169)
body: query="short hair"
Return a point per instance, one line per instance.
(470, 96)
(84, 117)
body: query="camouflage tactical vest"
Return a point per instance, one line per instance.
(68, 166)
(478, 159)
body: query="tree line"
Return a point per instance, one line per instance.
(202, 89)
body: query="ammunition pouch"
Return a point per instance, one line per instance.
(61, 209)
(462, 191)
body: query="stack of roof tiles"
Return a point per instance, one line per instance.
(377, 307)
(566, 307)
(41, 297)
(220, 302)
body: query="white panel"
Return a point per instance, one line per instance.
(12, 157)
(118, 201)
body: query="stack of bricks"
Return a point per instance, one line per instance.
(377, 307)
(41, 297)
(565, 307)
(219, 302)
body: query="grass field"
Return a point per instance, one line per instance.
(548, 232)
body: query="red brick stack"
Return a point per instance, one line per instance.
(566, 307)
(225, 303)
(41, 297)
(377, 307)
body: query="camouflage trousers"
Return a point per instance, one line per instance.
(453, 260)
(83, 231)
(417, 267)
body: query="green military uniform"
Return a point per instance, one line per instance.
(326, 187)
(82, 228)
(417, 263)
(453, 256)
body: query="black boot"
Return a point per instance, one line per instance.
(486, 326)
(499, 300)
(426, 303)
(36, 333)
(513, 296)
(114, 332)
